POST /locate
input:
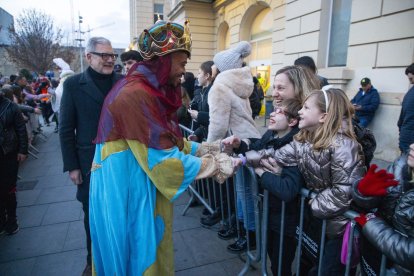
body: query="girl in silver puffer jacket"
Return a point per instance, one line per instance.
(330, 160)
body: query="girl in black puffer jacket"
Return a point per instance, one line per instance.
(13, 149)
(391, 230)
(283, 185)
(199, 108)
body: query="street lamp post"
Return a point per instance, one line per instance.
(80, 43)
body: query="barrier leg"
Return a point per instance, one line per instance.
(208, 187)
(32, 154)
(383, 270)
(282, 232)
(349, 251)
(229, 203)
(187, 206)
(299, 248)
(33, 148)
(322, 247)
(221, 204)
(202, 201)
(265, 219)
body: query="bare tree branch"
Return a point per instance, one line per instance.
(35, 42)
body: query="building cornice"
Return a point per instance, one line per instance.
(221, 3)
(176, 10)
(186, 5)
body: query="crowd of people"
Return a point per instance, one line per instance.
(108, 122)
(21, 104)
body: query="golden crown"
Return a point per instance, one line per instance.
(164, 38)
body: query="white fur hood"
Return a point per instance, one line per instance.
(229, 105)
(239, 80)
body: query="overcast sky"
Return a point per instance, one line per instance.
(95, 13)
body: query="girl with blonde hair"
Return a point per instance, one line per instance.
(330, 160)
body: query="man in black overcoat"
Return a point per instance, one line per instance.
(82, 99)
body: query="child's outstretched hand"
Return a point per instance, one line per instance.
(193, 114)
(270, 165)
(237, 162)
(232, 142)
(376, 183)
(259, 171)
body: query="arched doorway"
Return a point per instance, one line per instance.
(261, 39)
(223, 35)
(256, 27)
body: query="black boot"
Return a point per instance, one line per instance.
(210, 220)
(2, 220)
(240, 245)
(229, 230)
(11, 204)
(205, 212)
(227, 233)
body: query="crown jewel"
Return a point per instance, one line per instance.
(164, 38)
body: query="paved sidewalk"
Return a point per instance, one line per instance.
(51, 240)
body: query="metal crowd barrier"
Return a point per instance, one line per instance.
(261, 233)
(200, 184)
(209, 193)
(203, 194)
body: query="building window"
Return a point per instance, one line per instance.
(339, 33)
(158, 12)
(261, 40)
(261, 37)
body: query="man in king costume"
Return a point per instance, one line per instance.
(142, 163)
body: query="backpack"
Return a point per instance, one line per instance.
(255, 102)
(260, 91)
(8, 137)
(366, 139)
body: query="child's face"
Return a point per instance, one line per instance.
(310, 115)
(202, 78)
(282, 88)
(278, 120)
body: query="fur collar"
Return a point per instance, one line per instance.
(239, 80)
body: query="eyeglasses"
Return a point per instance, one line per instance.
(105, 56)
(279, 110)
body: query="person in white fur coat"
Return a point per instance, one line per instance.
(230, 113)
(229, 96)
(65, 72)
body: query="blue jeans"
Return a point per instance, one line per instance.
(245, 204)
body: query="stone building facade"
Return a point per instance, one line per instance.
(348, 40)
(144, 13)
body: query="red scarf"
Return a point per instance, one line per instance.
(142, 107)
